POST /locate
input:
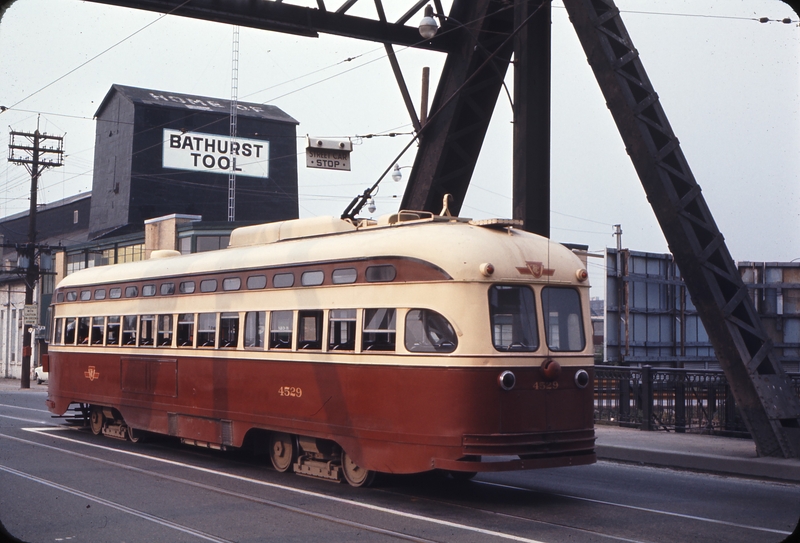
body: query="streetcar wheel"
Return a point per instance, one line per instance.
(282, 451)
(134, 435)
(96, 419)
(355, 475)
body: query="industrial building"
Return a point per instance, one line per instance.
(162, 173)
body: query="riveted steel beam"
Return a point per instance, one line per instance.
(759, 384)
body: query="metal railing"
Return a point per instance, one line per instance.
(667, 399)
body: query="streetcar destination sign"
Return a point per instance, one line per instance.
(214, 153)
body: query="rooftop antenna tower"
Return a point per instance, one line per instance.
(234, 108)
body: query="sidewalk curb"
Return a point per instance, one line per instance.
(779, 469)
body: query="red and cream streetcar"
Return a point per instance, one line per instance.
(411, 343)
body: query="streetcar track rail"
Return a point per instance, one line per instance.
(264, 501)
(412, 515)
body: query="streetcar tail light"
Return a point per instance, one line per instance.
(507, 380)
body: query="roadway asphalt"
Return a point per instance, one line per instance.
(708, 454)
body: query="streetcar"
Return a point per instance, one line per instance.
(341, 348)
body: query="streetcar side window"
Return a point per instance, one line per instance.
(149, 290)
(100, 294)
(283, 280)
(312, 278)
(208, 285)
(69, 331)
(254, 329)
(342, 330)
(343, 276)
(112, 331)
(309, 330)
(115, 293)
(131, 292)
(147, 330)
(512, 312)
(185, 336)
(380, 274)
(206, 329)
(72, 296)
(255, 282)
(379, 331)
(229, 330)
(187, 287)
(231, 283)
(563, 324)
(429, 332)
(86, 295)
(83, 330)
(164, 337)
(167, 289)
(58, 332)
(280, 329)
(98, 325)
(129, 330)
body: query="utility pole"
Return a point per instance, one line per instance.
(36, 152)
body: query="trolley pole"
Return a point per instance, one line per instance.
(36, 158)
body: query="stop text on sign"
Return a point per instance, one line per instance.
(214, 153)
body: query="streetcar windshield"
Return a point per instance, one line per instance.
(513, 317)
(562, 319)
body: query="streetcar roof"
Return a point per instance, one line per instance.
(457, 246)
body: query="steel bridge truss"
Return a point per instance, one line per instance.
(479, 38)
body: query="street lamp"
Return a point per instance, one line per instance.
(428, 26)
(397, 175)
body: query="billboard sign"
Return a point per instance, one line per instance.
(213, 153)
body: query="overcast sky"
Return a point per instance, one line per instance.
(728, 83)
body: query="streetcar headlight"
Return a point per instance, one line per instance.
(581, 378)
(507, 380)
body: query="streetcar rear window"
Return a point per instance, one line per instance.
(379, 332)
(563, 324)
(512, 311)
(429, 332)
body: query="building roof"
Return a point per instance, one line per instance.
(191, 102)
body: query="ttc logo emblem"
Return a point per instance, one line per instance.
(91, 373)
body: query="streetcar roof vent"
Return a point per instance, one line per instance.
(496, 223)
(261, 234)
(164, 253)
